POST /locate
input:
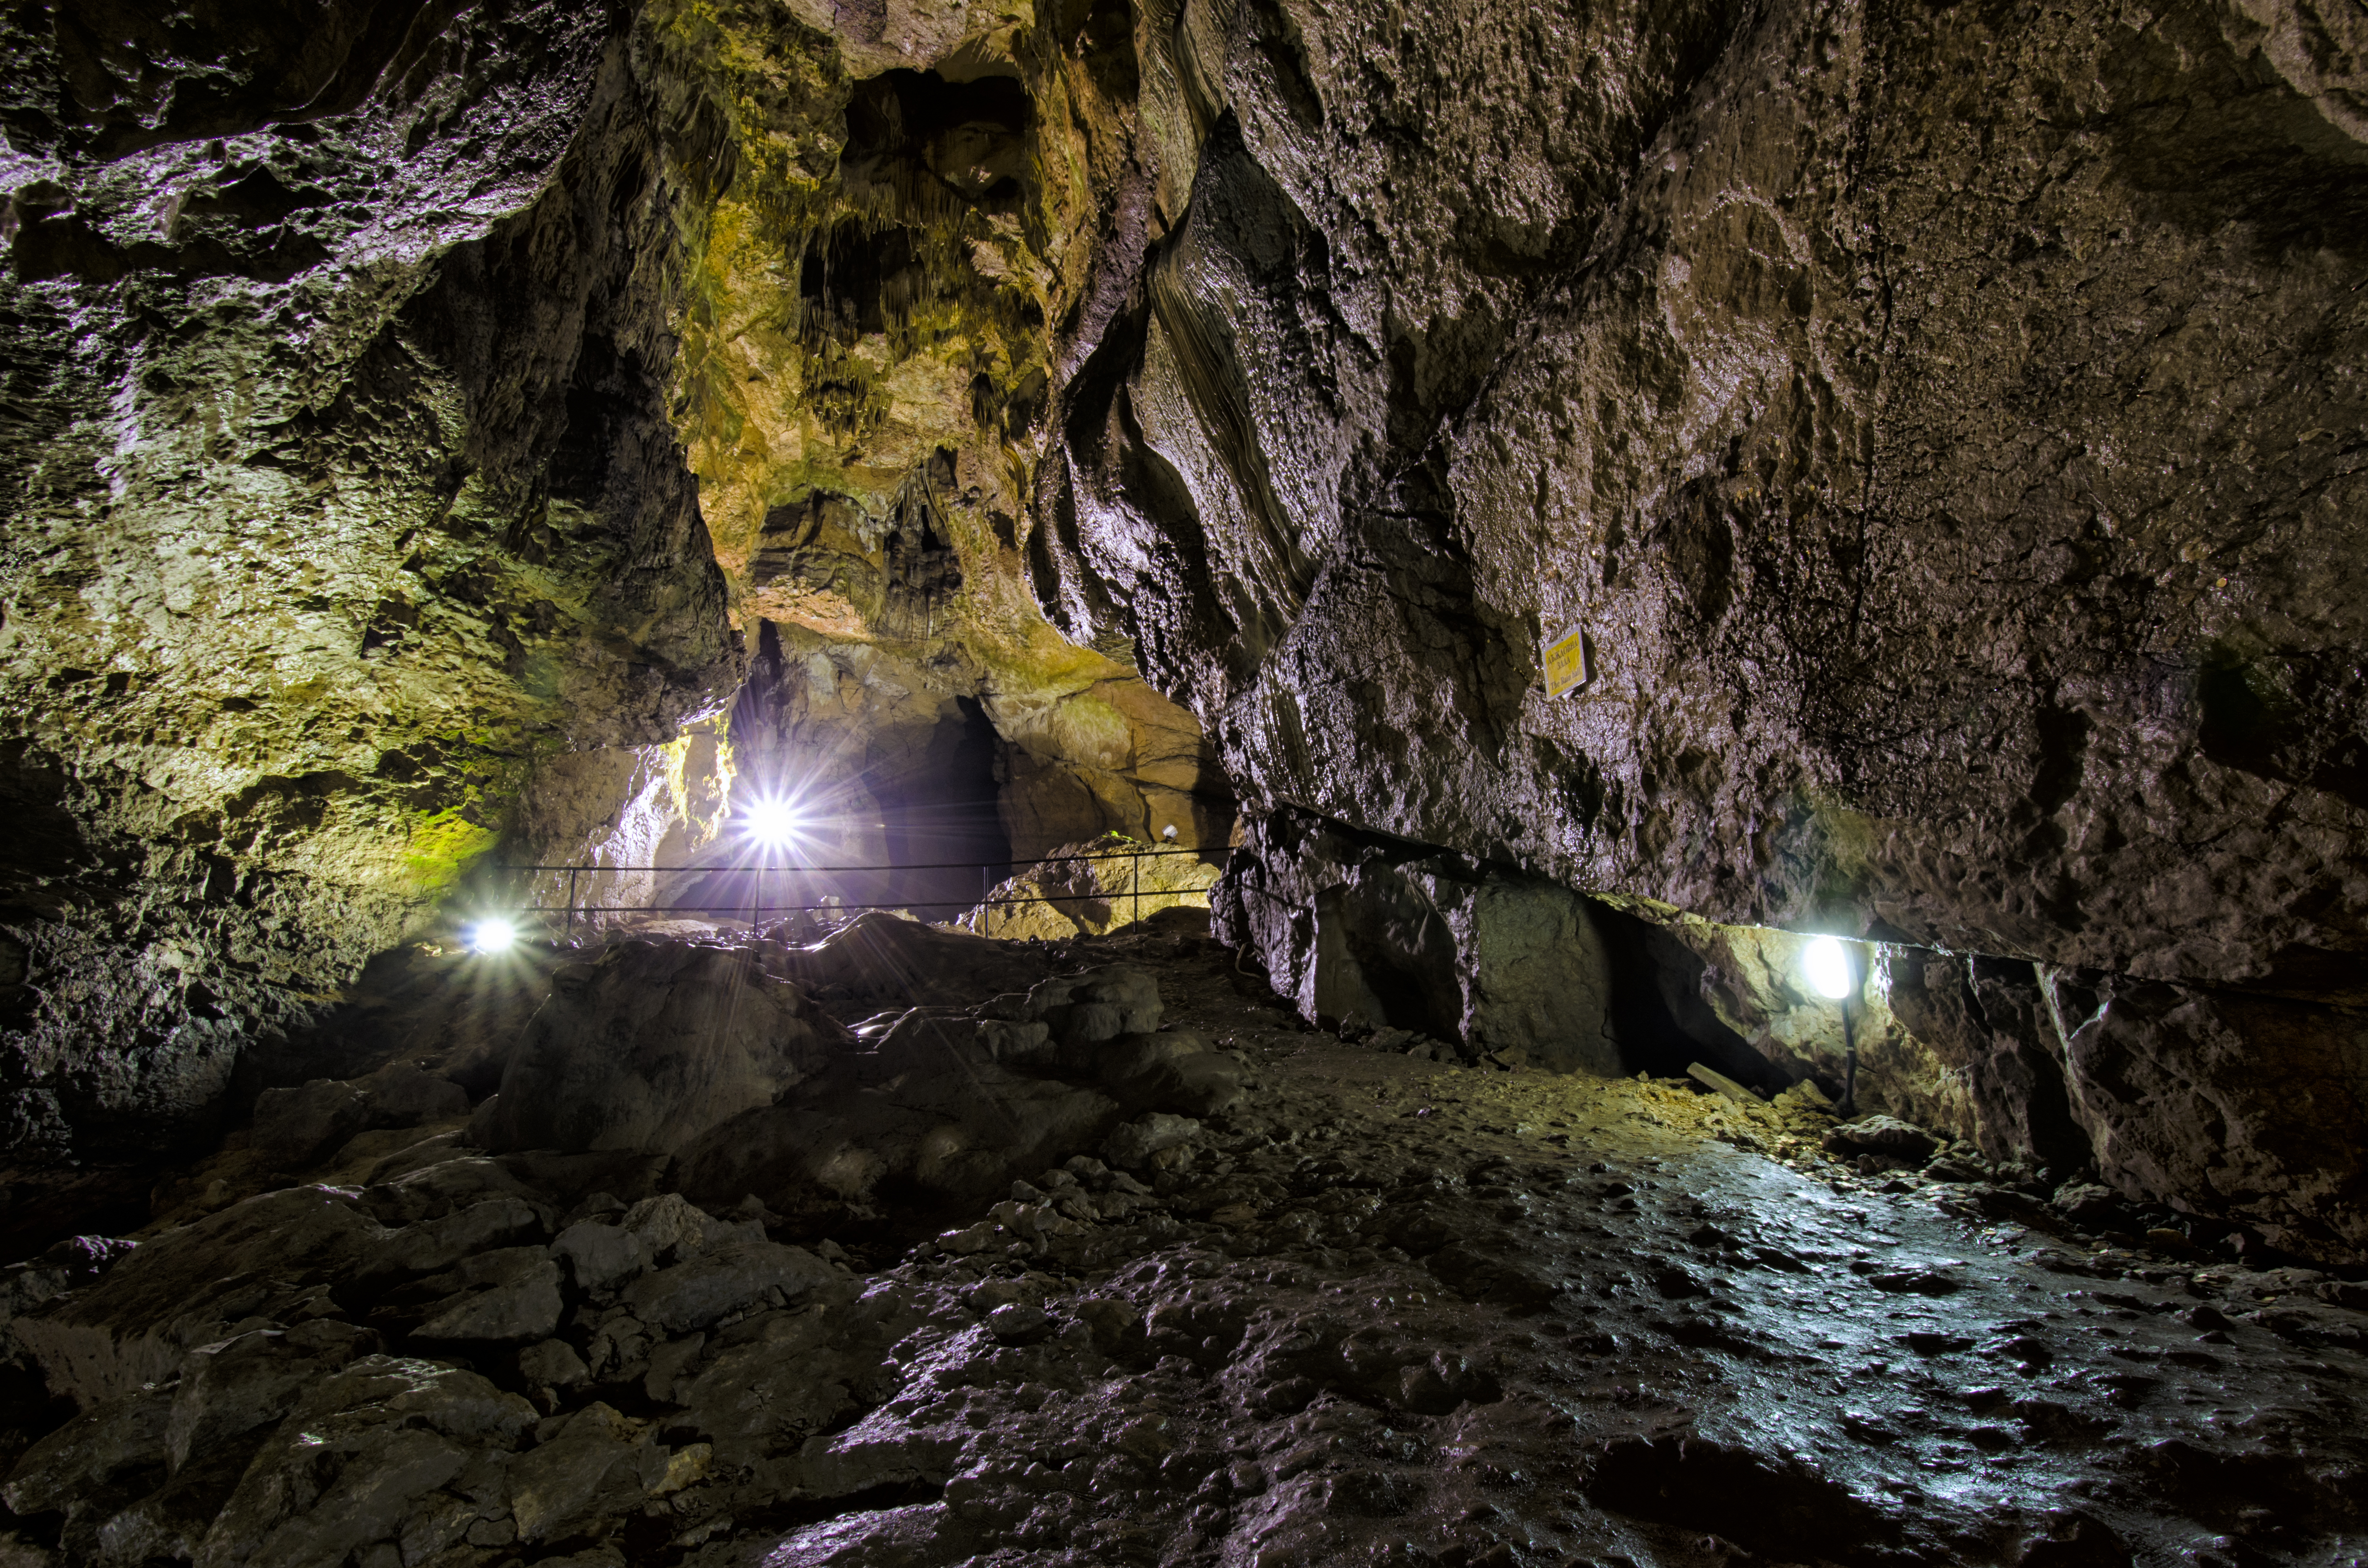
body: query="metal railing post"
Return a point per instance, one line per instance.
(1138, 886)
(570, 902)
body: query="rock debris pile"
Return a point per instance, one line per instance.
(1117, 1263)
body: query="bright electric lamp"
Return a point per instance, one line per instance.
(770, 823)
(1827, 967)
(492, 937)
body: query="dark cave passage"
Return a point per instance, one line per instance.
(945, 810)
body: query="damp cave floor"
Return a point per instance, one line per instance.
(1390, 1311)
(1393, 1311)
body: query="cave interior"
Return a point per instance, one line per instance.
(1205, 783)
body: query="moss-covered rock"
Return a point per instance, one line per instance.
(342, 493)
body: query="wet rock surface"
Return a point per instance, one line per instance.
(1375, 1308)
(2202, 1099)
(1696, 353)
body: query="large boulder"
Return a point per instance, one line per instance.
(80, 1466)
(233, 1387)
(1355, 925)
(1090, 888)
(653, 1233)
(731, 1278)
(650, 1046)
(258, 1258)
(956, 1106)
(928, 1107)
(2225, 1103)
(294, 1127)
(60, 1270)
(385, 1450)
(1083, 1010)
(961, 1138)
(879, 958)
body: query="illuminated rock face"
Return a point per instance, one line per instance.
(894, 275)
(376, 375)
(1947, 486)
(341, 490)
(1931, 425)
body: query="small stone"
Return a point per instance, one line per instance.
(1882, 1135)
(1135, 1142)
(552, 1364)
(971, 1241)
(2086, 1202)
(988, 1295)
(1019, 1324)
(1726, 1087)
(600, 1256)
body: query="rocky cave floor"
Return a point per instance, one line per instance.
(1382, 1309)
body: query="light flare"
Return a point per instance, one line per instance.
(771, 822)
(1826, 964)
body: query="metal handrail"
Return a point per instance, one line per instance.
(929, 865)
(758, 909)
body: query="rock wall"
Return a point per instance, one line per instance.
(866, 370)
(2230, 1106)
(375, 375)
(343, 494)
(1937, 450)
(1932, 422)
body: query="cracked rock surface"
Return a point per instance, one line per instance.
(1928, 424)
(1380, 1309)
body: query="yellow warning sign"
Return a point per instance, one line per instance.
(1567, 663)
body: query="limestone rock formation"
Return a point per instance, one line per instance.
(338, 353)
(1095, 886)
(1903, 621)
(1942, 482)
(1419, 940)
(649, 1047)
(380, 377)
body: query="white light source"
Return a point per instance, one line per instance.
(771, 822)
(492, 937)
(1826, 965)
